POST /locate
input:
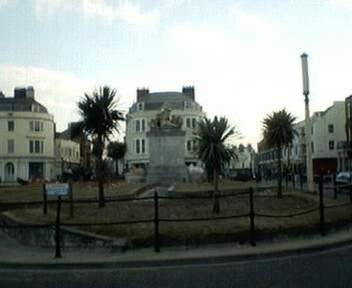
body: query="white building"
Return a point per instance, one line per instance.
(147, 106)
(328, 128)
(245, 158)
(67, 152)
(27, 138)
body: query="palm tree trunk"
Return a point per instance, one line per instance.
(288, 169)
(216, 204)
(99, 172)
(279, 192)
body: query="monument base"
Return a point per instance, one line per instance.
(167, 175)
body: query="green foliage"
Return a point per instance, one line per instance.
(212, 149)
(278, 129)
(100, 119)
(212, 136)
(116, 150)
(279, 132)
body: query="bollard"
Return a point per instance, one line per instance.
(156, 223)
(252, 235)
(321, 207)
(58, 230)
(45, 200)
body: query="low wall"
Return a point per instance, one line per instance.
(45, 236)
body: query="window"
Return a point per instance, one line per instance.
(188, 123)
(143, 146)
(36, 126)
(140, 106)
(189, 145)
(331, 145)
(35, 108)
(10, 146)
(311, 131)
(138, 146)
(187, 104)
(312, 147)
(10, 125)
(193, 123)
(36, 146)
(138, 126)
(143, 125)
(331, 128)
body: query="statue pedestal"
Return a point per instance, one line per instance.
(167, 150)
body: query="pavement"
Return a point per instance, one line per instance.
(15, 255)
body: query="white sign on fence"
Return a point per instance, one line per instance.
(57, 189)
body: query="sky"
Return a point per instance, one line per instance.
(242, 57)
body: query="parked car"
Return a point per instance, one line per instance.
(344, 178)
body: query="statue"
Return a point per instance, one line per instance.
(163, 120)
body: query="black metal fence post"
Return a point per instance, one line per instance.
(45, 200)
(156, 223)
(58, 230)
(71, 199)
(251, 218)
(350, 191)
(335, 187)
(321, 206)
(301, 181)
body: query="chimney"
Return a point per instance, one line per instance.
(20, 93)
(30, 92)
(141, 93)
(188, 91)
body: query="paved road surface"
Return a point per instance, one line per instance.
(329, 269)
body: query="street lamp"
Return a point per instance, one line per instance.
(309, 162)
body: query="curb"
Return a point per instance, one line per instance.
(178, 261)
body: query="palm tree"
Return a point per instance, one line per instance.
(100, 118)
(279, 133)
(212, 150)
(116, 150)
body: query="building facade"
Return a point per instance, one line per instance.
(345, 147)
(146, 108)
(67, 154)
(328, 131)
(27, 130)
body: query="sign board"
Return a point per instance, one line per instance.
(57, 189)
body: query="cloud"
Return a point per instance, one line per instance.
(48, 8)
(133, 14)
(58, 91)
(3, 3)
(342, 3)
(245, 67)
(125, 11)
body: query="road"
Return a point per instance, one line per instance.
(331, 268)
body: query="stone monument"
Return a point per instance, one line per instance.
(166, 147)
